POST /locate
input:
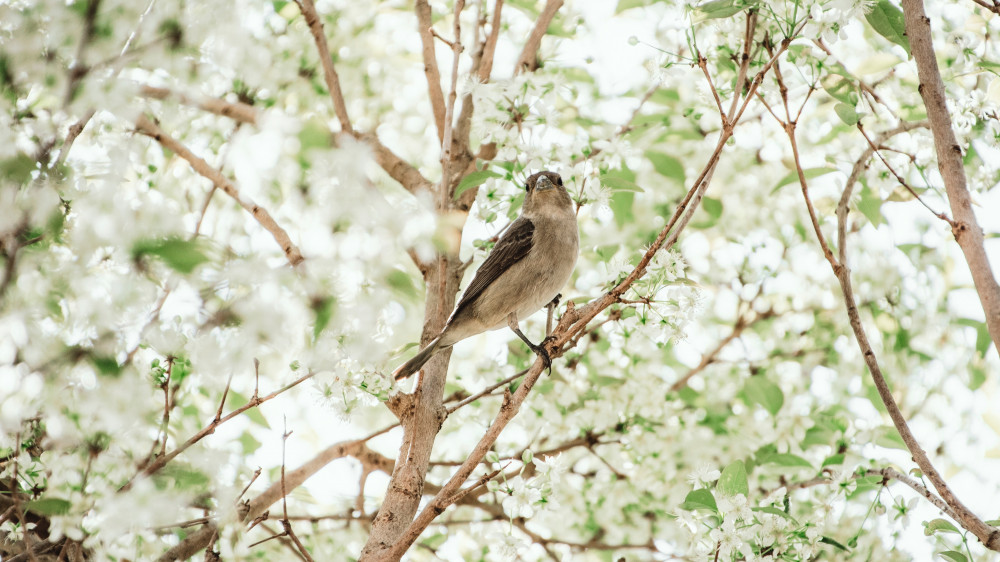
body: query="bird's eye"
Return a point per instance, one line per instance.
(559, 181)
(527, 187)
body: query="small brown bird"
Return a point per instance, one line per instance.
(523, 273)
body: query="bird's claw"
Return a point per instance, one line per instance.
(544, 354)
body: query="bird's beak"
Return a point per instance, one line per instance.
(544, 183)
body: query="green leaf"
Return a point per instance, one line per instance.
(48, 506)
(774, 511)
(667, 166)
(314, 134)
(248, 443)
(621, 204)
(18, 169)
(722, 8)
(181, 255)
(953, 555)
(834, 460)
(238, 401)
(785, 459)
(939, 526)
(793, 177)
(475, 179)
(890, 438)
(734, 480)
(983, 340)
(830, 541)
(993, 522)
(323, 309)
(628, 5)
(619, 183)
(817, 435)
(887, 20)
(761, 391)
(701, 498)
(712, 206)
(401, 283)
(871, 205)
(847, 113)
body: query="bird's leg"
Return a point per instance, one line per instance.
(551, 309)
(539, 350)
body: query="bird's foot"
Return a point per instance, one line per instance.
(543, 353)
(555, 301)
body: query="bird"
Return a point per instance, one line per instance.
(529, 265)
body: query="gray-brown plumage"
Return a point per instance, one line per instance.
(523, 273)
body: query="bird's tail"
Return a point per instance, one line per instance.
(414, 365)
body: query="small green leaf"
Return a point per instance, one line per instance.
(701, 498)
(871, 205)
(619, 183)
(847, 113)
(628, 5)
(761, 391)
(722, 8)
(401, 283)
(621, 205)
(953, 555)
(833, 460)
(887, 20)
(830, 541)
(939, 526)
(667, 166)
(475, 179)
(793, 177)
(734, 480)
(712, 206)
(786, 459)
(238, 401)
(774, 511)
(181, 255)
(48, 506)
(323, 309)
(248, 443)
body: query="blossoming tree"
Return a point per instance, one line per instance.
(222, 225)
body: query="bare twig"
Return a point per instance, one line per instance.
(988, 535)
(209, 429)
(285, 523)
(741, 324)
(308, 9)
(900, 179)
(238, 111)
(490, 47)
(528, 60)
(966, 229)
(150, 129)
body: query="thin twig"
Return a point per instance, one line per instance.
(308, 9)
(209, 429)
(264, 218)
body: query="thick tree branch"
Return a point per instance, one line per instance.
(528, 60)
(967, 231)
(150, 129)
(424, 24)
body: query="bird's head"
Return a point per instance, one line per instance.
(545, 195)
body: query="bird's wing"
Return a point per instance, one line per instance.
(510, 249)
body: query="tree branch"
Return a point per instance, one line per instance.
(308, 9)
(966, 230)
(528, 61)
(239, 111)
(424, 26)
(150, 129)
(988, 535)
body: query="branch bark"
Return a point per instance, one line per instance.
(308, 9)
(967, 231)
(424, 24)
(528, 60)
